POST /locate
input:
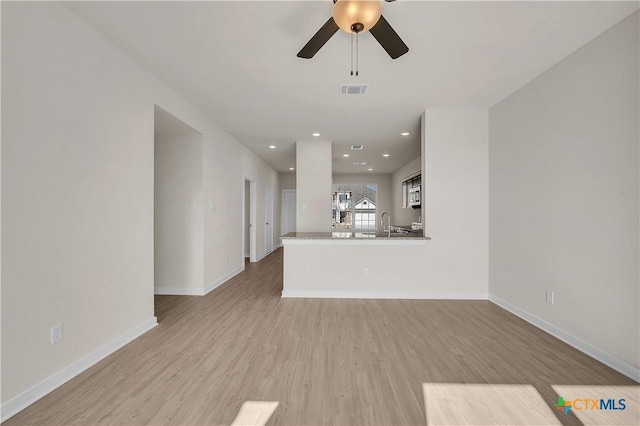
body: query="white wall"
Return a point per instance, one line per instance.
(313, 186)
(77, 196)
(178, 222)
(564, 196)
(287, 180)
(407, 215)
(334, 269)
(384, 192)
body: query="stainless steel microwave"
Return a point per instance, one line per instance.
(414, 196)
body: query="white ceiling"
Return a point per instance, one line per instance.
(236, 61)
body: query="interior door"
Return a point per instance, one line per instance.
(288, 211)
(268, 215)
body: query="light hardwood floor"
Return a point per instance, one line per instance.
(340, 362)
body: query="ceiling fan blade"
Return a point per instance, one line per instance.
(388, 38)
(319, 39)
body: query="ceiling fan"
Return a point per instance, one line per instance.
(354, 17)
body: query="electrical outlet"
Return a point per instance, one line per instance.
(56, 334)
(365, 272)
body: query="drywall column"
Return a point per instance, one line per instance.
(455, 199)
(313, 184)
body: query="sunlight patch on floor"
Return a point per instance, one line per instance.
(485, 404)
(602, 405)
(255, 413)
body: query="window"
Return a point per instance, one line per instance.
(354, 206)
(404, 194)
(408, 183)
(365, 214)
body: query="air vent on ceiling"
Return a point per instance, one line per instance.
(353, 89)
(359, 163)
(357, 147)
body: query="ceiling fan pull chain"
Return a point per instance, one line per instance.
(351, 53)
(357, 50)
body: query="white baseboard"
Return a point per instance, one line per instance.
(594, 352)
(22, 401)
(177, 291)
(381, 295)
(267, 253)
(217, 283)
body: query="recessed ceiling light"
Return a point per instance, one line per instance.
(272, 146)
(315, 134)
(385, 155)
(345, 155)
(405, 133)
(292, 168)
(370, 170)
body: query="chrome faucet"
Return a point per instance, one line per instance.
(382, 223)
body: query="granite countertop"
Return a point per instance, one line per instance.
(344, 235)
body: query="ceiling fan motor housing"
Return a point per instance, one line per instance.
(355, 16)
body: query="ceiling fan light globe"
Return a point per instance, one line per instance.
(346, 13)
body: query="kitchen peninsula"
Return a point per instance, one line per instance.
(351, 264)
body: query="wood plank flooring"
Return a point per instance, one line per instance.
(340, 362)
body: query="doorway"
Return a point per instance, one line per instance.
(249, 219)
(288, 211)
(268, 216)
(178, 222)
